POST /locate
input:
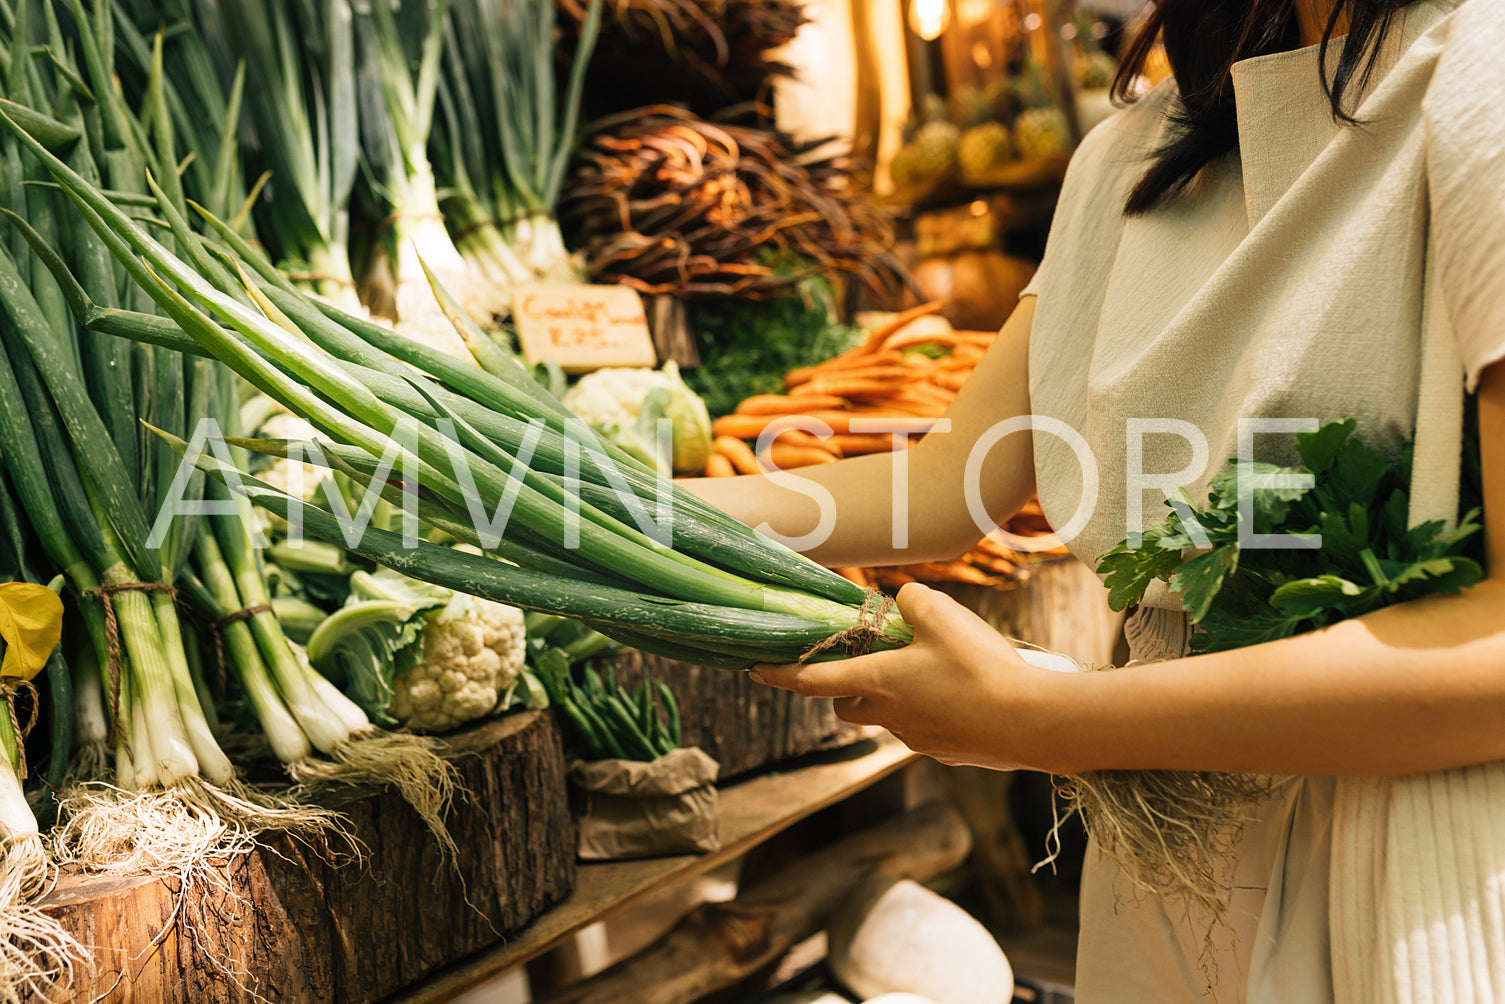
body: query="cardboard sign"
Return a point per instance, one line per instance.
(582, 327)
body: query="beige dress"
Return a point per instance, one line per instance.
(1288, 283)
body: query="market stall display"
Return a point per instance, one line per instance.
(261, 267)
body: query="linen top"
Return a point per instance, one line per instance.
(1287, 282)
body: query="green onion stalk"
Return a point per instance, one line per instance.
(195, 56)
(163, 738)
(296, 708)
(300, 68)
(39, 958)
(300, 711)
(716, 592)
(397, 77)
(87, 485)
(505, 136)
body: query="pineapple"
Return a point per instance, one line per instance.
(1042, 132)
(928, 157)
(985, 143)
(1040, 129)
(983, 148)
(1095, 70)
(935, 146)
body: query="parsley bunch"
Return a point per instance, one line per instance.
(1367, 558)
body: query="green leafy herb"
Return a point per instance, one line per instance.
(746, 346)
(1351, 550)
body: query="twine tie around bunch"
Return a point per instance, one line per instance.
(105, 594)
(858, 638)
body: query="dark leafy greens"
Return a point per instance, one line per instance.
(1367, 558)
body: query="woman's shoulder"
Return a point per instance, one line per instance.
(1117, 148)
(1112, 156)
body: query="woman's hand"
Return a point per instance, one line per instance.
(959, 692)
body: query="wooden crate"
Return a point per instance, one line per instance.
(290, 925)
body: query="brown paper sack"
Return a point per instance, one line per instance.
(637, 809)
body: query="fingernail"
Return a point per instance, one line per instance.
(755, 676)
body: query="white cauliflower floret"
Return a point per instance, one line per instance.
(472, 651)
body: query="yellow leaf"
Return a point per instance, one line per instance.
(31, 623)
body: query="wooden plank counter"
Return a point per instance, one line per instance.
(751, 811)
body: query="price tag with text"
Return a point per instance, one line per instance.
(582, 327)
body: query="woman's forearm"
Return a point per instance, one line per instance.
(912, 505)
(1415, 687)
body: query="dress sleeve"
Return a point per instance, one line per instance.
(1464, 110)
(1093, 191)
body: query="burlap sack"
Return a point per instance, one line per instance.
(637, 809)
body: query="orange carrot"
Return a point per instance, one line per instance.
(751, 426)
(983, 338)
(892, 577)
(799, 437)
(853, 386)
(738, 453)
(845, 361)
(789, 456)
(780, 404)
(882, 332)
(907, 339)
(853, 444)
(718, 465)
(853, 574)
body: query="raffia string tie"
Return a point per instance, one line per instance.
(391, 220)
(475, 227)
(342, 280)
(10, 686)
(217, 632)
(105, 594)
(858, 638)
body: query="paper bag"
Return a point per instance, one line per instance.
(636, 809)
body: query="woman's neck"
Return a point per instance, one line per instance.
(1312, 16)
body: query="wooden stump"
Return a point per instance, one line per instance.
(742, 725)
(289, 924)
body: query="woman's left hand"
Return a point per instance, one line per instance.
(959, 692)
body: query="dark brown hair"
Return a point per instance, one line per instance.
(1202, 40)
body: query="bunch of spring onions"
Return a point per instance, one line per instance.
(300, 70)
(483, 453)
(38, 957)
(93, 487)
(397, 81)
(505, 135)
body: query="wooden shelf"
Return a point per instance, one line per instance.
(751, 811)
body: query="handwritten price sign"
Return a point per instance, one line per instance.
(582, 327)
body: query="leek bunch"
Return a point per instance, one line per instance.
(398, 46)
(506, 133)
(488, 456)
(94, 490)
(300, 68)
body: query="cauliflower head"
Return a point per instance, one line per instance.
(624, 404)
(472, 651)
(415, 654)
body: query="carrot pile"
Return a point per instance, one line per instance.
(897, 372)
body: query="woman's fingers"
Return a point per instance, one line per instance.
(847, 678)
